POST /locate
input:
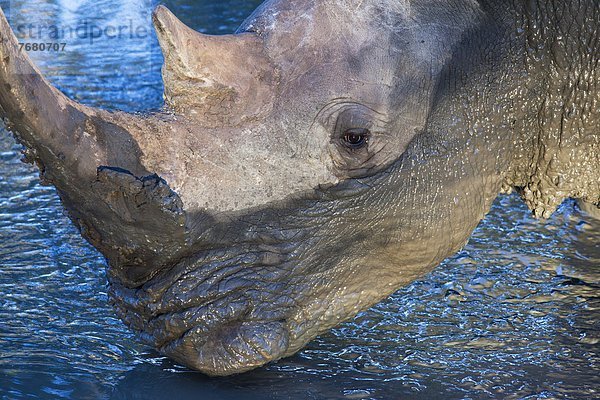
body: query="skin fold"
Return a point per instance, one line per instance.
(308, 166)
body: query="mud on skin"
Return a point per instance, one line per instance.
(311, 164)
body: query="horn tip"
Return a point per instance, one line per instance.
(162, 17)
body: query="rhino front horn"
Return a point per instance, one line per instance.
(209, 77)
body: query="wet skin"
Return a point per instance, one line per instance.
(308, 166)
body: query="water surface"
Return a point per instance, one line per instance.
(514, 315)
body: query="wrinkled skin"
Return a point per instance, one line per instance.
(308, 166)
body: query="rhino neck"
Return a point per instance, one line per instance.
(557, 104)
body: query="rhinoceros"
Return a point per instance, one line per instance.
(309, 165)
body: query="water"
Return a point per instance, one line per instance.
(514, 315)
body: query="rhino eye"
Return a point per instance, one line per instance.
(355, 138)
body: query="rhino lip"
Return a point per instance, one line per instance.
(231, 348)
(216, 325)
(220, 339)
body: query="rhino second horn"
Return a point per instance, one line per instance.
(220, 80)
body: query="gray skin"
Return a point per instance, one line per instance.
(310, 165)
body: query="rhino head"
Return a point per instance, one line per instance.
(307, 166)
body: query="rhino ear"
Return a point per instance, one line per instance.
(217, 79)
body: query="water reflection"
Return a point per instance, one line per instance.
(515, 314)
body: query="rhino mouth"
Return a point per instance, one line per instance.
(221, 338)
(233, 348)
(220, 324)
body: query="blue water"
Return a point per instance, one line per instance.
(516, 314)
